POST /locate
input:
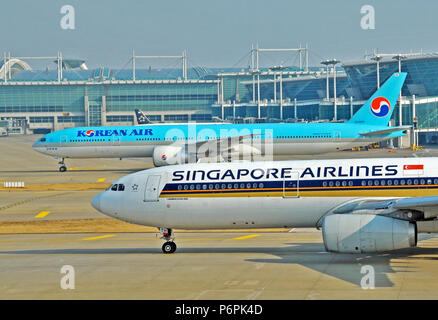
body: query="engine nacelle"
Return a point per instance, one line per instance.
(169, 155)
(360, 233)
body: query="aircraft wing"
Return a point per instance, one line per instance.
(382, 132)
(421, 207)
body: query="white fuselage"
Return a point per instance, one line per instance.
(261, 194)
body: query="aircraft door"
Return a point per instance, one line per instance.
(337, 135)
(291, 186)
(116, 141)
(63, 140)
(151, 192)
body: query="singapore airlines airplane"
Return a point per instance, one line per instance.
(187, 143)
(362, 205)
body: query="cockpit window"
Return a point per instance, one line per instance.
(43, 139)
(118, 187)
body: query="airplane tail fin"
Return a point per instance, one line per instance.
(379, 108)
(141, 117)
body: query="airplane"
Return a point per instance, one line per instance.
(141, 117)
(186, 143)
(361, 205)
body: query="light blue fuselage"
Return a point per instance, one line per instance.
(140, 141)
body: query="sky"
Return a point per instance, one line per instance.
(215, 33)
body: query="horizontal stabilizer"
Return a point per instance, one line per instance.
(383, 132)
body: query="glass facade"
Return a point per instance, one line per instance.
(104, 97)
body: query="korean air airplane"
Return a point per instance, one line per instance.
(362, 205)
(186, 143)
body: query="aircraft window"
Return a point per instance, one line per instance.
(236, 186)
(324, 184)
(198, 187)
(248, 185)
(261, 185)
(223, 186)
(376, 182)
(331, 184)
(242, 186)
(396, 182)
(121, 187)
(435, 181)
(370, 182)
(402, 182)
(389, 182)
(416, 181)
(382, 182)
(429, 181)
(217, 186)
(192, 186)
(230, 186)
(344, 183)
(204, 187)
(108, 188)
(363, 183)
(43, 139)
(254, 185)
(422, 182)
(114, 187)
(350, 183)
(186, 187)
(338, 183)
(179, 187)
(210, 186)
(409, 182)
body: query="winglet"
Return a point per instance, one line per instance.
(379, 108)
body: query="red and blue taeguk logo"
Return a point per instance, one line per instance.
(380, 107)
(90, 133)
(163, 157)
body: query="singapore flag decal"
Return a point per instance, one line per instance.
(413, 169)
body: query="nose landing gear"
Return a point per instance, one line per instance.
(169, 246)
(62, 168)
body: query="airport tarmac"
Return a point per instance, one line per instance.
(51, 223)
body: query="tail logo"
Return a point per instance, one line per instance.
(163, 157)
(380, 107)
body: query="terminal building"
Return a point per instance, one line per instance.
(72, 95)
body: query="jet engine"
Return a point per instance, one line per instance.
(366, 233)
(169, 155)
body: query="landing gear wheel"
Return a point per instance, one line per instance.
(169, 247)
(62, 168)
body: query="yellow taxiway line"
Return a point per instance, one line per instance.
(246, 237)
(42, 214)
(100, 237)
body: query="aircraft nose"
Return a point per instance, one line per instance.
(95, 202)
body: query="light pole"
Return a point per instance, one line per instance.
(333, 62)
(399, 58)
(377, 58)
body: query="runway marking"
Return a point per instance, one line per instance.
(101, 179)
(42, 214)
(246, 237)
(29, 200)
(100, 237)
